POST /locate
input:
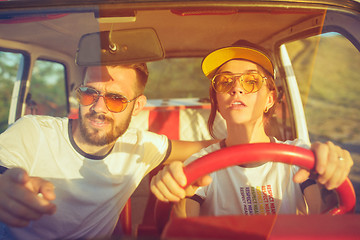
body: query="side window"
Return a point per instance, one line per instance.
(9, 65)
(327, 69)
(47, 93)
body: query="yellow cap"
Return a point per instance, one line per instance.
(220, 56)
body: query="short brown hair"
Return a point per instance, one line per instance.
(141, 70)
(142, 75)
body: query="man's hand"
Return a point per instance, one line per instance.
(24, 198)
(332, 164)
(168, 184)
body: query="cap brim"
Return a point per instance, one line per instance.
(218, 57)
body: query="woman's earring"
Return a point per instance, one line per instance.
(266, 110)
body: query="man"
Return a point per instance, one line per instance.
(93, 164)
(71, 178)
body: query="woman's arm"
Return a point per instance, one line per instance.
(186, 208)
(168, 184)
(319, 199)
(332, 164)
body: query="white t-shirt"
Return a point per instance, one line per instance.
(265, 189)
(90, 191)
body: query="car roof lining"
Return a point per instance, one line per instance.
(61, 33)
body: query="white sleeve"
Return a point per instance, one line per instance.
(19, 144)
(298, 142)
(157, 149)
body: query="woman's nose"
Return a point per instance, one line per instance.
(237, 88)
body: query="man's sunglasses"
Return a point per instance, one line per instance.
(114, 102)
(250, 82)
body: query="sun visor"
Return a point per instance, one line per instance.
(119, 47)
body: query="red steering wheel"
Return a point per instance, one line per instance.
(250, 153)
(256, 152)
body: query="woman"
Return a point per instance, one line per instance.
(243, 91)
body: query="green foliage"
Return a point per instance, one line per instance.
(9, 64)
(48, 88)
(177, 78)
(327, 71)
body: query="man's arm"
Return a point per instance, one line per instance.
(20, 202)
(182, 150)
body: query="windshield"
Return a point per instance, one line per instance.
(314, 47)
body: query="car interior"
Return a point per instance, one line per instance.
(44, 50)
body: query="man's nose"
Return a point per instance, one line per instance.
(99, 105)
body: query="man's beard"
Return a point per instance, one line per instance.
(91, 136)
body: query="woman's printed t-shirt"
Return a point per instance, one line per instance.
(265, 189)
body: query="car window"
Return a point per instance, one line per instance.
(329, 90)
(47, 94)
(177, 78)
(9, 65)
(329, 82)
(177, 89)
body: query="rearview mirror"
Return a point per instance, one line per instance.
(119, 47)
